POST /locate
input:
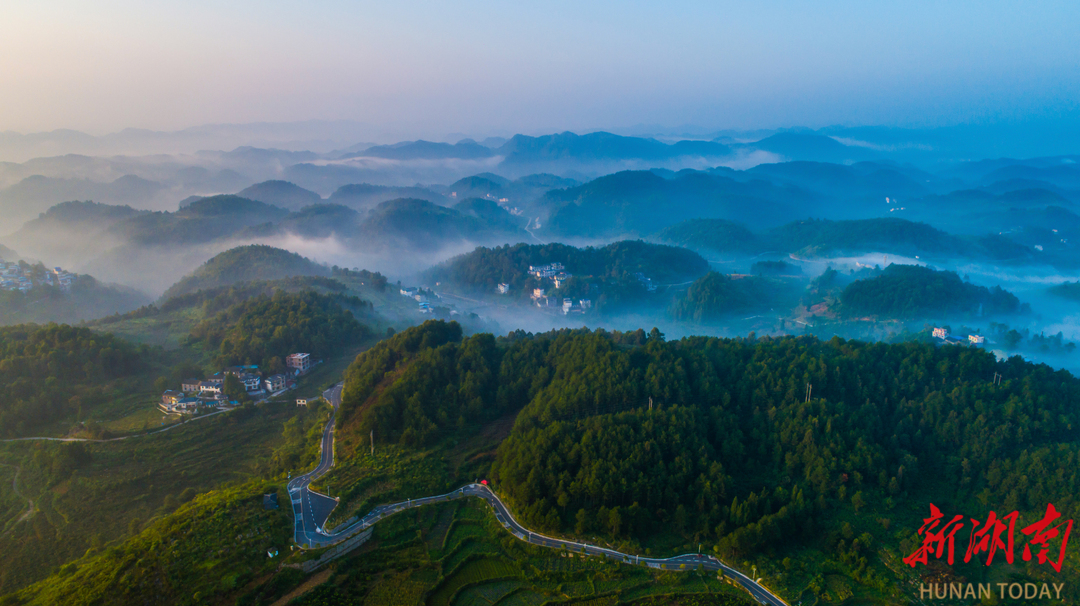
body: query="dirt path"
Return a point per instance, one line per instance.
(138, 435)
(29, 503)
(308, 585)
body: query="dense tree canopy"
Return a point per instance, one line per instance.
(484, 268)
(626, 434)
(607, 275)
(87, 299)
(213, 300)
(55, 371)
(711, 234)
(911, 291)
(715, 295)
(257, 330)
(244, 264)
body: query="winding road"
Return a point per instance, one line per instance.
(311, 509)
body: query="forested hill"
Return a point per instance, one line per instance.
(54, 372)
(485, 268)
(823, 238)
(714, 441)
(264, 329)
(642, 202)
(911, 291)
(1067, 290)
(243, 264)
(716, 295)
(87, 299)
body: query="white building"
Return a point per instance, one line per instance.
(251, 382)
(275, 383)
(210, 386)
(300, 362)
(546, 271)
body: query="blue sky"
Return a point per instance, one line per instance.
(498, 67)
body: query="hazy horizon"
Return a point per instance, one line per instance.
(420, 69)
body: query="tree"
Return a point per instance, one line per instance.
(857, 501)
(234, 389)
(614, 521)
(894, 486)
(1012, 339)
(581, 522)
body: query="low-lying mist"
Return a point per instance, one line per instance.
(1049, 314)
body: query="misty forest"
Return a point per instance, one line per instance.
(774, 349)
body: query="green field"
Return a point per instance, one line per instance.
(12, 506)
(126, 484)
(488, 566)
(167, 330)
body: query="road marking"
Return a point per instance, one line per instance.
(502, 514)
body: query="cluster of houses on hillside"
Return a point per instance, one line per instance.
(645, 281)
(568, 305)
(421, 297)
(22, 277)
(558, 275)
(947, 339)
(195, 395)
(552, 271)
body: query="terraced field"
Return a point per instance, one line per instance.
(488, 593)
(470, 573)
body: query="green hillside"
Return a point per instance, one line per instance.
(282, 194)
(664, 445)
(825, 238)
(243, 264)
(58, 372)
(421, 225)
(262, 330)
(68, 230)
(87, 299)
(624, 439)
(491, 212)
(715, 296)
(711, 235)
(484, 268)
(911, 291)
(362, 196)
(606, 275)
(320, 221)
(204, 220)
(642, 202)
(822, 238)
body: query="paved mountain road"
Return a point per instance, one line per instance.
(311, 509)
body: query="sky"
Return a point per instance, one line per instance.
(496, 67)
